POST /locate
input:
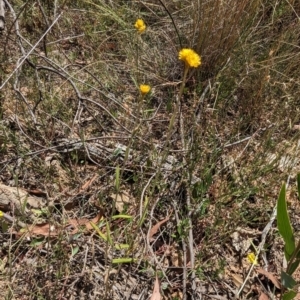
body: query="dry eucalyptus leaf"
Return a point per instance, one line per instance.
(156, 293)
(77, 223)
(39, 229)
(156, 227)
(13, 196)
(270, 276)
(121, 199)
(47, 229)
(237, 280)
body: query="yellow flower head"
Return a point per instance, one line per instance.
(145, 89)
(190, 57)
(140, 25)
(1, 214)
(252, 258)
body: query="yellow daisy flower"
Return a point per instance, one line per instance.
(140, 25)
(145, 89)
(190, 57)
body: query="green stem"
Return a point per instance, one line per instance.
(186, 69)
(174, 115)
(172, 121)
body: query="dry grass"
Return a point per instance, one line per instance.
(75, 133)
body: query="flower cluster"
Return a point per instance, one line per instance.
(187, 55)
(140, 25)
(190, 57)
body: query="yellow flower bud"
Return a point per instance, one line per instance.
(145, 89)
(140, 25)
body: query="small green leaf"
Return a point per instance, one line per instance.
(37, 242)
(40, 212)
(74, 250)
(76, 236)
(287, 281)
(124, 260)
(118, 151)
(289, 295)
(284, 225)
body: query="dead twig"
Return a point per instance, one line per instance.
(30, 52)
(10, 219)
